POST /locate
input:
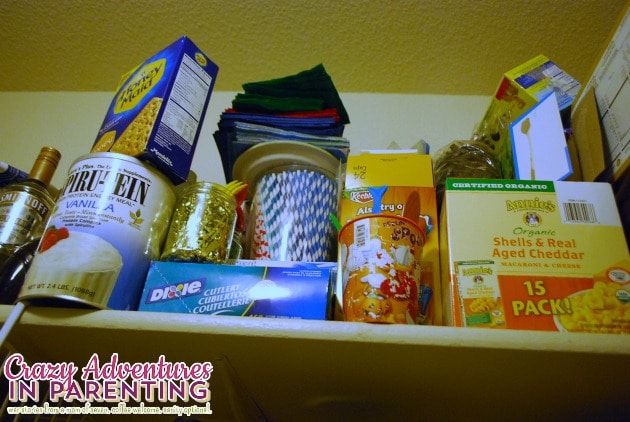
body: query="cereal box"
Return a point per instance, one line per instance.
(269, 289)
(403, 174)
(534, 255)
(520, 89)
(159, 106)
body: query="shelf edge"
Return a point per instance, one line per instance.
(327, 331)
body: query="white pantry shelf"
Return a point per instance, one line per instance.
(331, 370)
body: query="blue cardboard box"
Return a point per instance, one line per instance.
(249, 288)
(158, 109)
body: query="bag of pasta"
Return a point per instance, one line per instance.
(468, 159)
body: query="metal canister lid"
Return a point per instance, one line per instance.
(155, 172)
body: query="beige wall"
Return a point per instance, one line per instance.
(70, 121)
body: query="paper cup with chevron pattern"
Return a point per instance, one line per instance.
(295, 190)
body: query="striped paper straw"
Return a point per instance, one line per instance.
(292, 222)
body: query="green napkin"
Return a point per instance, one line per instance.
(293, 93)
(262, 103)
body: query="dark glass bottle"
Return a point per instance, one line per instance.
(25, 206)
(14, 270)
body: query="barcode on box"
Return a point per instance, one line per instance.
(361, 232)
(579, 212)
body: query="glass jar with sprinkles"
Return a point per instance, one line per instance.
(202, 225)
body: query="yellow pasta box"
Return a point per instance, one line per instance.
(534, 255)
(403, 174)
(158, 109)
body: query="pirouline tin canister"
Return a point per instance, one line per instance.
(380, 260)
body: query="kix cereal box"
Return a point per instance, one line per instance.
(399, 176)
(267, 289)
(534, 255)
(159, 107)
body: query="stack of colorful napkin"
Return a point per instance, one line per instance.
(304, 107)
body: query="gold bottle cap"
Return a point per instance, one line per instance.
(45, 165)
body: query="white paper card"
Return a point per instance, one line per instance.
(539, 147)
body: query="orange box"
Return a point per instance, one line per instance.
(402, 173)
(534, 255)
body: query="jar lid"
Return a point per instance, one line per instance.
(207, 187)
(260, 159)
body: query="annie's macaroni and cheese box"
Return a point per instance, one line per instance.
(534, 255)
(159, 107)
(404, 174)
(300, 290)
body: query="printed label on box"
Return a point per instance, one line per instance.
(535, 256)
(302, 290)
(402, 173)
(158, 109)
